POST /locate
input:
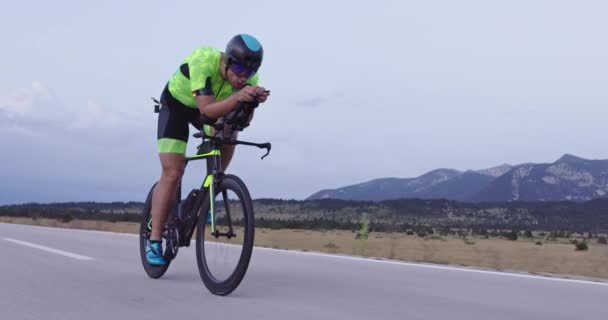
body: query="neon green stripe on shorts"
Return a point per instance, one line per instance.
(166, 145)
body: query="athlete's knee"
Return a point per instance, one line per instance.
(173, 165)
(172, 174)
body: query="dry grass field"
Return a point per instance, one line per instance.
(522, 255)
(558, 257)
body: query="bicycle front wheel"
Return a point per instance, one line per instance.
(224, 244)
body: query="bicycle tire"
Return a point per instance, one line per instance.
(153, 271)
(228, 285)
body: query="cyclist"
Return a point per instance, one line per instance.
(209, 84)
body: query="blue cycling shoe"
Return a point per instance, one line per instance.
(154, 253)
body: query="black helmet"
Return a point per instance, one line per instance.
(245, 50)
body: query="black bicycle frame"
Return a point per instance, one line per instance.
(210, 151)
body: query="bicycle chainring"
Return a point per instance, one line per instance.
(172, 238)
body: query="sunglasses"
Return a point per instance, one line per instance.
(241, 70)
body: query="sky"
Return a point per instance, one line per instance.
(360, 90)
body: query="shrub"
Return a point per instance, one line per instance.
(494, 233)
(444, 231)
(331, 245)
(539, 243)
(581, 246)
(557, 234)
(66, 218)
(513, 235)
(483, 232)
(528, 234)
(364, 231)
(602, 240)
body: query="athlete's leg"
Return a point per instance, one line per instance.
(227, 150)
(172, 139)
(163, 197)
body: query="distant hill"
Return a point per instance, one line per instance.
(390, 188)
(568, 178)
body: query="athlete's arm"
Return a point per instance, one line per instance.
(214, 109)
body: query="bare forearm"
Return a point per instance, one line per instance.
(216, 109)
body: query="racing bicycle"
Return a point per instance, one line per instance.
(219, 213)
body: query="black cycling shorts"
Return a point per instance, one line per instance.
(173, 120)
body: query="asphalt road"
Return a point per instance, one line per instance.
(48, 273)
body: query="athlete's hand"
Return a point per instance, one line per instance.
(261, 94)
(246, 94)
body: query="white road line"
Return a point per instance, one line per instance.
(555, 277)
(434, 266)
(57, 251)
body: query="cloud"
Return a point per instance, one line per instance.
(29, 109)
(311, 102)
(69, 152)
(334, 97)
(95, 115)
(22, 101)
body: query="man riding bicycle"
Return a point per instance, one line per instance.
(209, 84)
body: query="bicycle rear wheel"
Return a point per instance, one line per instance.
(145, 229)
(223, 253)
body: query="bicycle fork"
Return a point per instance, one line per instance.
(210, 183)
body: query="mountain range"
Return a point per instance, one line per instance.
(568, 178)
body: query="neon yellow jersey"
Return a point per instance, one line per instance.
(199, 74)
